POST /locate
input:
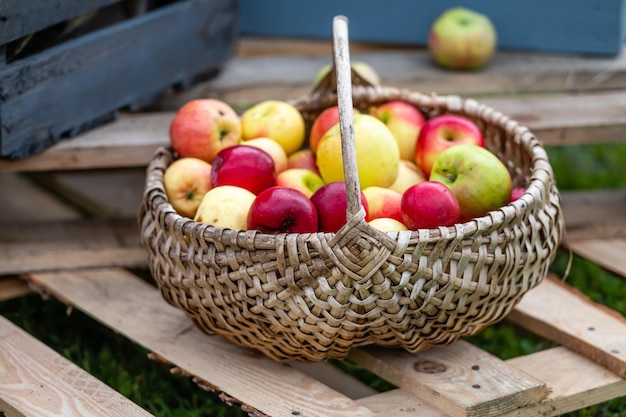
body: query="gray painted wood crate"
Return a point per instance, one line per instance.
(56, 81)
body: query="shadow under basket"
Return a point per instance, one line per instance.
(314, 296)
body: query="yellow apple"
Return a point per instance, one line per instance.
(226, 206)
(277, 120)
(301, 179)
(408, 174)
(377, 153)
(186, 181)
(387, 225)
(274, 150)
(383, 202)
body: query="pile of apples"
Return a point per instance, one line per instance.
(262, 170)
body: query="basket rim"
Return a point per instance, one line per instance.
(540, 179)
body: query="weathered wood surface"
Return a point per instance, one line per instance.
(36, 381)
(38, 246)
(132, 139)
(134, 308)
(21, 18)
(12, 287)
(126, 64)
(606, 252)
(593, 214)
(459, 379)
(561, 313)
(110, 294)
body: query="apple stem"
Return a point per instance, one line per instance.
(341, 55)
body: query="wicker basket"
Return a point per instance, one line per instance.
(315, 296)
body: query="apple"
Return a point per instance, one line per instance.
(186, 181)
(408, 174)
(282, 210)
(304, 158)
(377, 153)
(383, 202)
(275, 119)
(331, 203)
(517, 192)
(365, 71)
(442, 132)
(478, 179)
(203, 127)
(387, 225)
(226, 206)
(428, 205)
(323, 122)
(274, 150)
(405, 122)
(462, 39)
(301, 179)
(243, 166)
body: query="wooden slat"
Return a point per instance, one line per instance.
(35, 381)
(592, 384)
(561, 313)
(459, 379)
(38, 246)
(593, 214)
(12, 287)
(134, 308)
(608, 253)
(132, 139)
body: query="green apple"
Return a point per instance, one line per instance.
(377, 153)
(477, 178)
(462, 39)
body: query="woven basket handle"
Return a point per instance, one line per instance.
(341, 59)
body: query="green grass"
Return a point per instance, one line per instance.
(125, 366)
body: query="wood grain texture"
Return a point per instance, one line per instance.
(606, 252)
(594, 214)
(38, 246)
(124, 65)
(132, 307)
(459, 379)
(35, 381)
(560, 313)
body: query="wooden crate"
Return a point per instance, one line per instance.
(125, 59)
(48, 252)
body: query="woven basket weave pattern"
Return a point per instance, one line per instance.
(315, 296)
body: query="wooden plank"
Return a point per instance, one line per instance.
(21, 18)
(608, 253)
(132, 139)
(37, 381)
(560, 313)
(592, 385)
(113, 193)
(459, 379)
(132, 307)
(12, 287)
(97, 65)
(22, 200)
(38, 246)
(335, 378)
(594, 214)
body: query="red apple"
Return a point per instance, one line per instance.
(517, 192)
(186, 181)
(428, 205)
(405, 122)
(383, 202)
(243, 166)
(282, 210)
(442, 132)
(331, 203)
(203, 127)
(477, 178)
(324, 121)
(304, 158)
(300, 179)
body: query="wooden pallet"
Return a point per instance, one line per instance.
(47, 251)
